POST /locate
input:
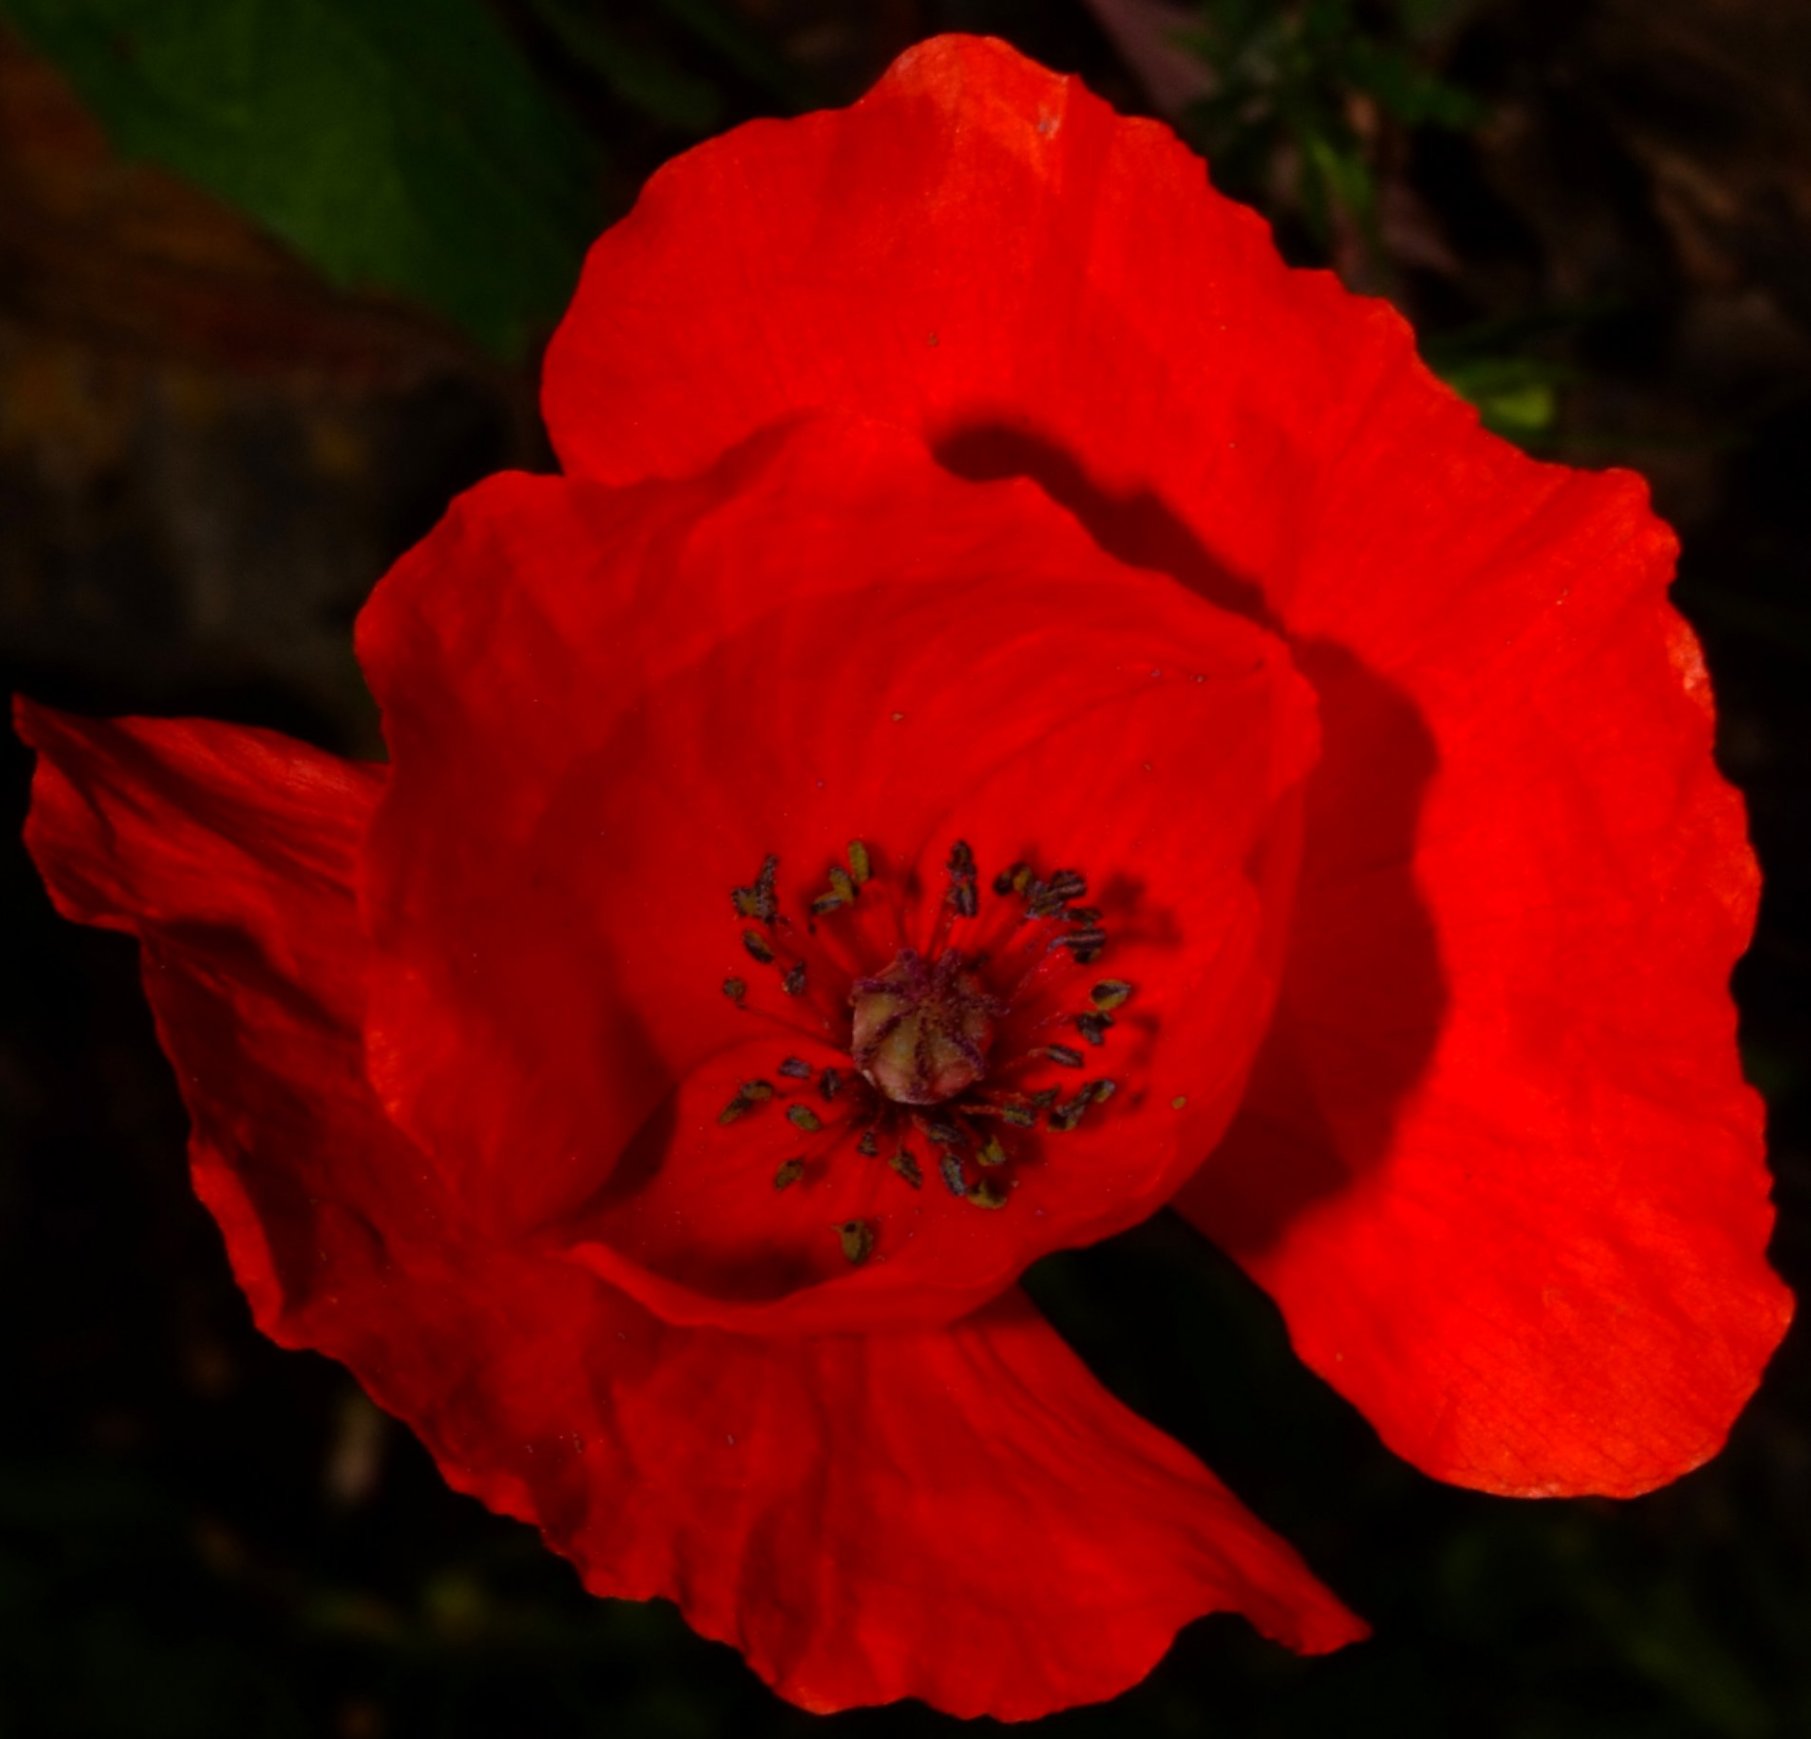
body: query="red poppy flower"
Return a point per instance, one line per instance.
(1020, 709)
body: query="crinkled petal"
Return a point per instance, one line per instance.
(607, 707)
(1538, 1269)
(1500, 1170)
(229, 852)
(963, 1516)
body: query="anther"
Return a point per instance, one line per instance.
(735, 989)
(760, 901)
(1069, 1057)
(987, 1194)
(907, 1167)
(1013, 879)
(1093, 1027)
(803, 1117)
(869, 1145)
(1019, 1113)
(991, 1152)
(756, 944)
(830, 1083)
(794, 981)
(789, 1174)
(954, 1177)
(1109, 994)
(842, 884)
(824, 904)
(796, 1069)
(1085, 944)
(962, 896)
(857, 1238)
(861, 866)
(748, 1096)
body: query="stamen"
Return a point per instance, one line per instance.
(920, 1029)
(1047, 898)
(857, 1238)
(987, 1194)
(1013, 879)
(748, 1096)
(1085, 944)
(962, 897)
(1093, 1027)
(760, 901)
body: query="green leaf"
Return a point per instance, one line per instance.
(404, 145)
(1413, 94)
(1516, 397)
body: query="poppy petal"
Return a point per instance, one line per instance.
(229, 853)
(1539, 1270)
(964, 1516)
(1500, 1168)
(639, 694)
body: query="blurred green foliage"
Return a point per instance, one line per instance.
(405, 145)
(1503, 367)
(1311, 105)
(1286, 117)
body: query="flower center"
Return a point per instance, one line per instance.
(939, 1037)
(921, 1031)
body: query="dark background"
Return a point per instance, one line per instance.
(223, 412)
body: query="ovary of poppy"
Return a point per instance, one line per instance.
(990, 600)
